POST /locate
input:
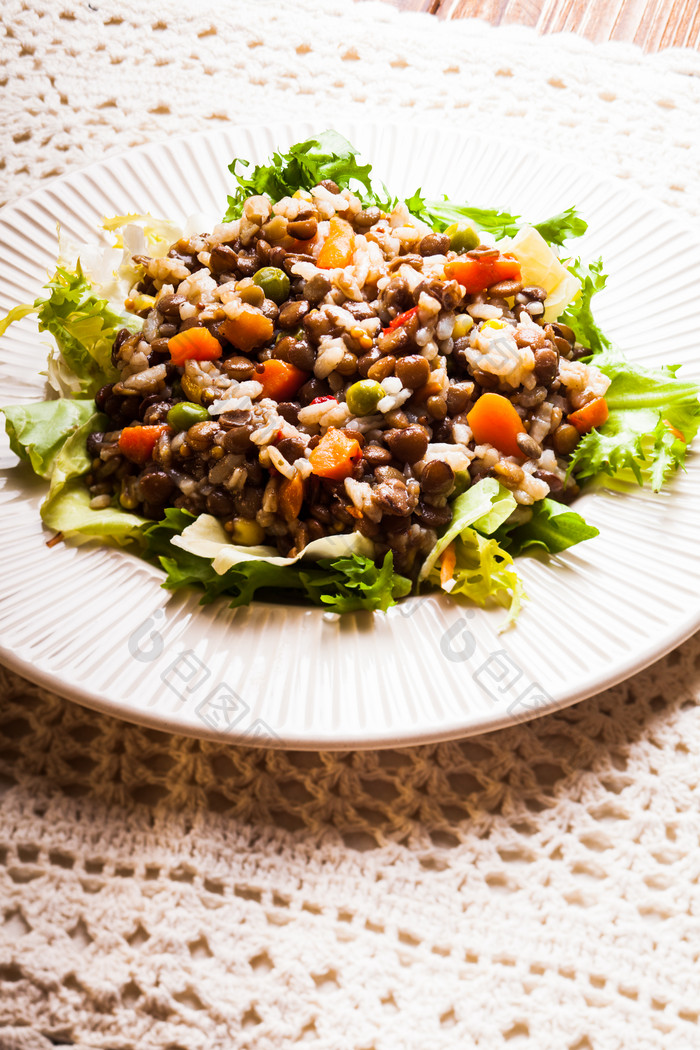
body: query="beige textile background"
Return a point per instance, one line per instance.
(534, 887)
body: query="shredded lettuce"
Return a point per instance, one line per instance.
(340, 584)
(551, 526)
(653, 417)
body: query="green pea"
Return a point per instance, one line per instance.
(185, 414)
(463, 237)
(363, 397)
(274, 283)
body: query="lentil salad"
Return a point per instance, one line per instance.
(340, 395)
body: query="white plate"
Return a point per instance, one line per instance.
(93, 623)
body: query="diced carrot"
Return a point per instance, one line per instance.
(447, 565)
(335, 455)
(494, 421)
(290, 497)
(475, 275)
(675, 431)
(250, 328)
(279, 379)
(594, 414)
(137, 443)
(433, 386)
(338, 246)
(194, 344)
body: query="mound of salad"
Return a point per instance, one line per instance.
(337, 396)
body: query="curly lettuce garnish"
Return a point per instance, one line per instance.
(653, 417)
(84, 326)
(197, 551)
(306, 164)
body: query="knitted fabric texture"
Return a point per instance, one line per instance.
(533, 887)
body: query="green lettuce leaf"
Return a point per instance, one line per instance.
(83, 325)
(648, 410)
(340, 585)
(72, 460)
(559, 228)
(356, 583)
(52, 437)
(68, 510)
(579, 315)
(551, 526)
(328, 156)
(483, 569)
(486, 504)
(38, 432)
(442, 213)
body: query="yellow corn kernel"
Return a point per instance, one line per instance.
(246, 532)
(362, 337)
(494, 323)
(463, 325)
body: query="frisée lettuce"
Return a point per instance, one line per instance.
(480, 569)
(653, 416)
(83, 324)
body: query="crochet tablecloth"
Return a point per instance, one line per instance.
(534, 887)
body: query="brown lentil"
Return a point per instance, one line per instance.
(413, 371)
(408, 445)
(302, 230)
(434, 244)
(291, 314)
(382, 368)
(437, 477)
(565, 439)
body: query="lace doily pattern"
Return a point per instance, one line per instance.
(537, 886)
(83, 79)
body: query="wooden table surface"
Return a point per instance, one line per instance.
(652, 24)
